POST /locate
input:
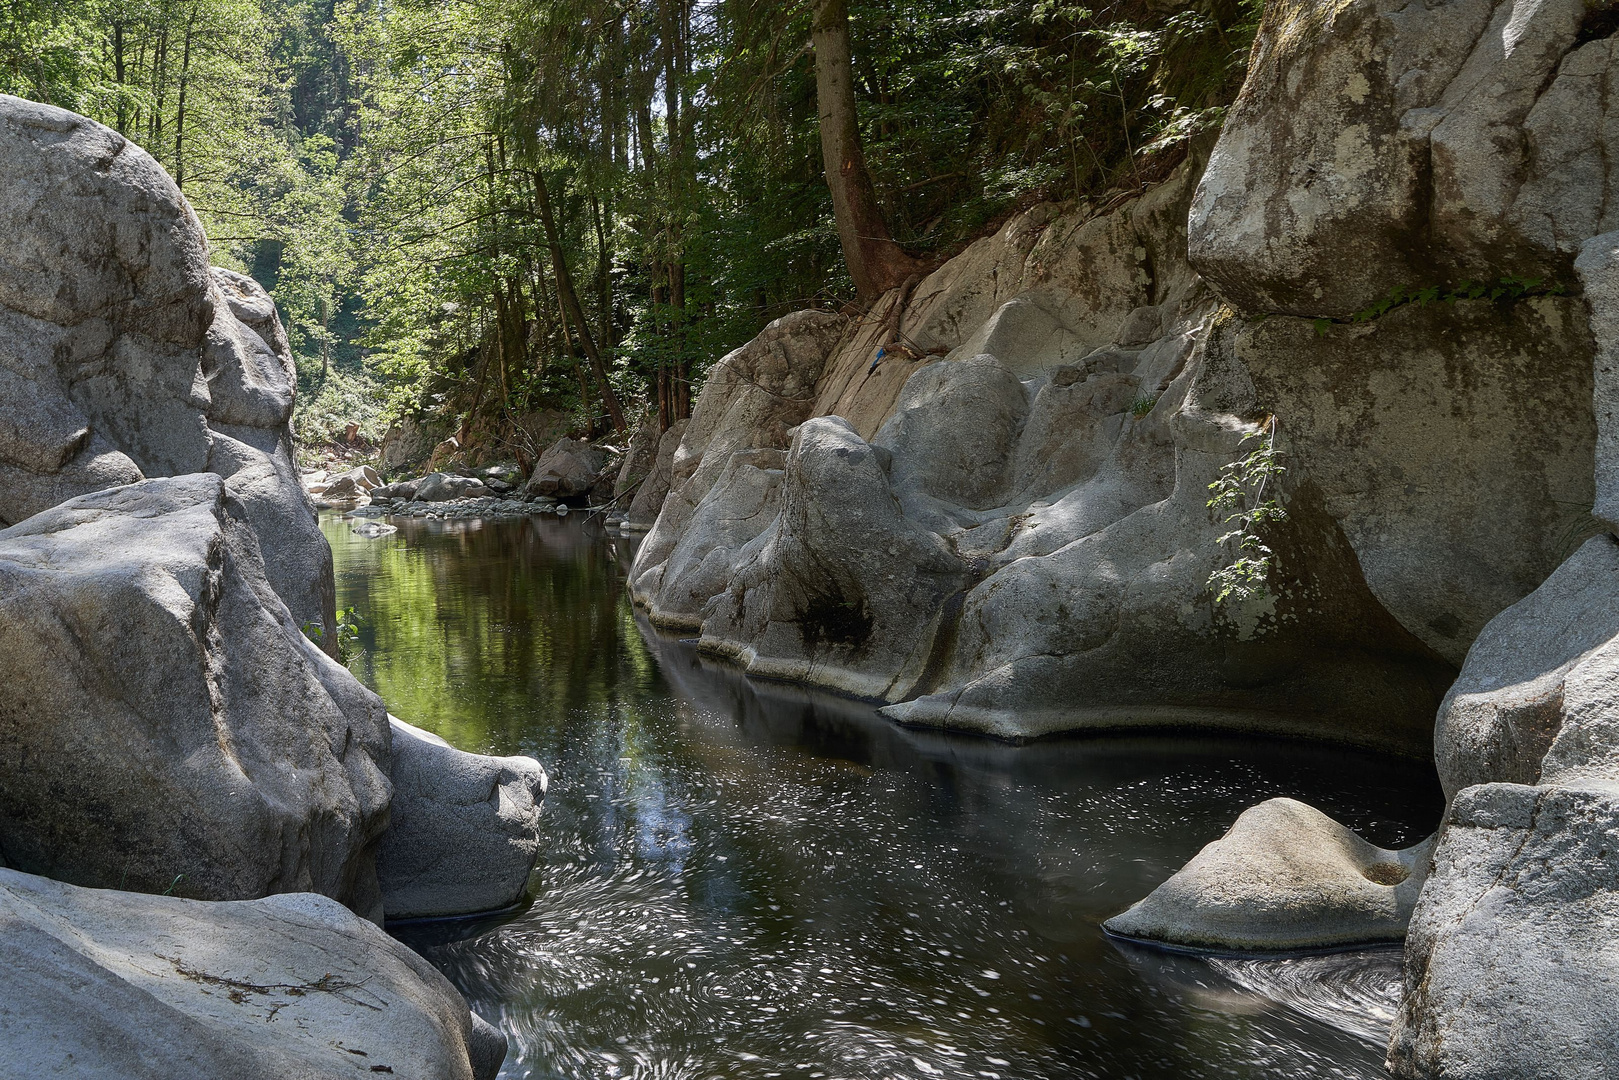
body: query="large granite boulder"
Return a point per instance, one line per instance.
(841, 589)
(1515, 929)
(444, 487)
(752, 398)
(1452, 442)
(164, 723)
(1509, 966)
(463, 831)
(1284, 878)
(123, 986)
(567, 469)
(123, 355)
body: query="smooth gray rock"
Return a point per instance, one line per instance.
(404, 490)
(567, 469)
(464, 829)
(931, 458)
(1285, 877)
(752, 398)
(123, 986)
(738, 508)
(123, 355)
(444, 487)
(1512, 948)
(841, 590)
(164, 724)
(1536, 665)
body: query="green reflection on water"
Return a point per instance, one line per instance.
(485, 633)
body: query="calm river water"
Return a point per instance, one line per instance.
(744, 881)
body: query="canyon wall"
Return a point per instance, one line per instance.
(1399, 260)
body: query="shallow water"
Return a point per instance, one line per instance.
(743, 880)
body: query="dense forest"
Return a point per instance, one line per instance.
(483, 209)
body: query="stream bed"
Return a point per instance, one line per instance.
(745, 880)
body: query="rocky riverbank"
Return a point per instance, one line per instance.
(203, 817)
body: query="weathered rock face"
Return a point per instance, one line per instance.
(1377, 146)
(840, 590)
(1424, 423)
(112, 984)
(1510, 958)
(1020, 543)
(648, 500)
(567, 469)
(165, 724)
(750, 400)
(1515, 930)
(463, 831)
(123, 355)
(1285, 877)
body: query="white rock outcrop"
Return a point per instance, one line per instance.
(1284, 878)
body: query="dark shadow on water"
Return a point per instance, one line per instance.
(745, 879)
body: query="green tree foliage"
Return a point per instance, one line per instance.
(487, 208)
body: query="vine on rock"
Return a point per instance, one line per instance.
(1239, 494)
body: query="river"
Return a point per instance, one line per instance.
(744, 880)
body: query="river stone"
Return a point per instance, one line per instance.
(123, 355)
(122, 986)
(1510, 960)
(464, 829)
(444, 487)
(1284, 877)
(567, 469)
(164, 724)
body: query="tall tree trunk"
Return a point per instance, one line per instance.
(875, 262)
(118, 74)
(568, 298)
(180, 112)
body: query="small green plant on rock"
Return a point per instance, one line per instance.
(1239, 495)
(348, 626)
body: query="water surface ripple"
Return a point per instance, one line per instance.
(743, 880)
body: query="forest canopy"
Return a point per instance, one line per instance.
(483, 209)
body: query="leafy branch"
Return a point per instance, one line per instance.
(1508, 288)
(1239, 495)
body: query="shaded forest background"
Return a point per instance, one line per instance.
(482, 209)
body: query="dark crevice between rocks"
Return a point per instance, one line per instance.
(1598, 23)
(949, 629)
